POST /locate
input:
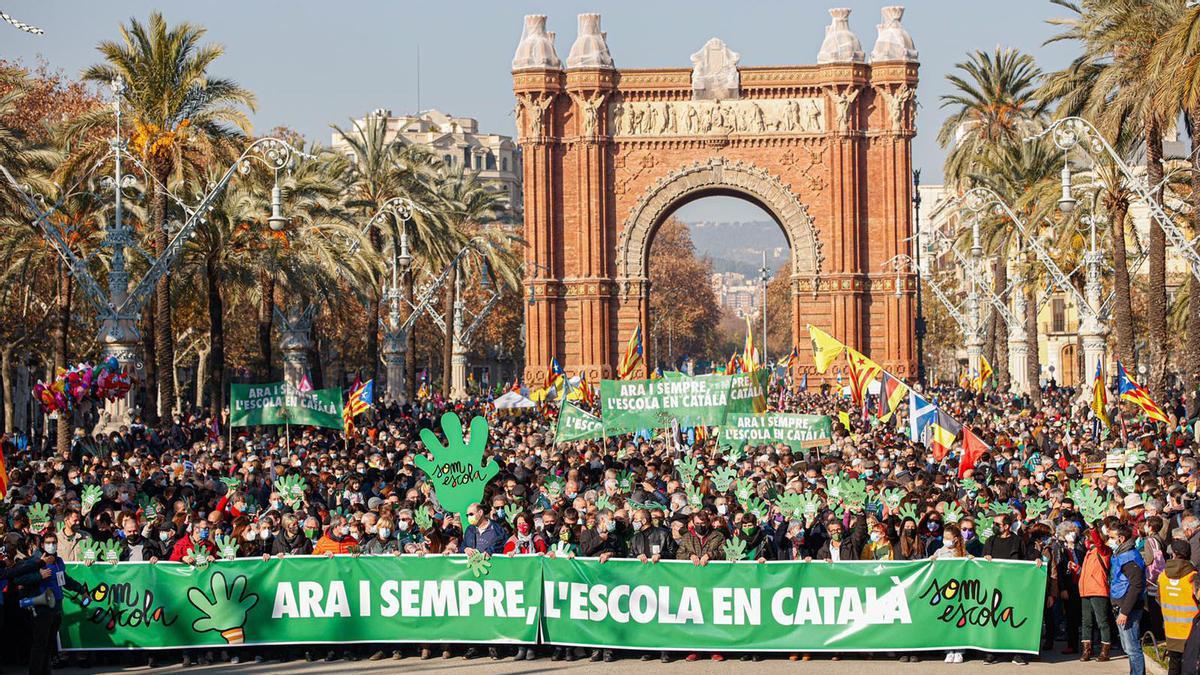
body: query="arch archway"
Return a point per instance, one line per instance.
(608, 153)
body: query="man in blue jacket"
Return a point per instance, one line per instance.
(1127, 591)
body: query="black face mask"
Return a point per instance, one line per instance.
(702, 530)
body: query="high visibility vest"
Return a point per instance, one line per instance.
(1178, 604)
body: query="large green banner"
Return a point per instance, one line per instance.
(631, 405)
(748, 392)
(798, 431)
(277, 403)
(576, 425)
(853, 606)
(671, 605)
(303, 599)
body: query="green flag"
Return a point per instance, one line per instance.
(277, 403)
(577, 425)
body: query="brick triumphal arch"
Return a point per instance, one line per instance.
(610, 153)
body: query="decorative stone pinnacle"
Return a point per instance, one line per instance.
(536, 48)
(894, 43)
(590, 49)
(841, 45)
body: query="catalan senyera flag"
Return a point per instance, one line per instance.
(3, 475)
(749, 350)
(985, 373)
(942, 433)
(634, 353)
(826, 348)
(589, 394)
(1100, 395)
(1133, 392)
(793, 359)
(863, 372)
(964, 380)
(735, 364)
(892, 393)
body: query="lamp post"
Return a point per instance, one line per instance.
(764, 275)
(975, 339)
(118, 309)
(920, 327)
(395, 330)
(1092, 330)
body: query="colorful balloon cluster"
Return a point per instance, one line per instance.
(73, 386)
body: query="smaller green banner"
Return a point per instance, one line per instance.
(577, 425)
(631, 405)
(277, 403)
(748, 392)
(798, 431)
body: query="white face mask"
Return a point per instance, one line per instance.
(248, 535)
(1070, 538)
(948, 542)
(402, 525)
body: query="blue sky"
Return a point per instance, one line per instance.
(314, 63)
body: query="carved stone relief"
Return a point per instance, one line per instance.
(718, 118)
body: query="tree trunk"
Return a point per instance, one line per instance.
(150, 368)
(448, 343)
(202, 371)
(6, 383)
(373, 335)
(1192, 350)
(1156, 301)
(62, 327)
(315, 363)
(1123, 302)
(266, 314)
(1033, 365)
(216, 339)
(164, 336)
(1000, 286)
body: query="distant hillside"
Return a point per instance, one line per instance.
(738, 246)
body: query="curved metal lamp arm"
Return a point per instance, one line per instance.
(996, 301)
(1071, 132)
(980, 198)
(274, 153)
(898, 263)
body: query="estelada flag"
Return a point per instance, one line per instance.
(1135, 393)
(891, 394)
(826, 348)
(985, 373)
(973, 449)
(942, 433)
(863, 372)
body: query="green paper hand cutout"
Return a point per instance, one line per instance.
(226, 610)
(226, 547)
(109, 551)
(735, 455)
(953, 514)
(476, 562)
(1035, 508)
(743, 490)
(723, 478)
(91, 495)
(791, 505)
(603, 503)
(694, 498)
(424, 517)
(554, 487)
(892, 498)
(89, 551)
(292, 489)
(1127, 479)
(457, 470)
(908, 511)
(149, 508)
(39, 517)
(734, 549)
(232, 483)
(688, 468)
(758, 507)
(625, 482)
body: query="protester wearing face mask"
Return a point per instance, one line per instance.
(337, 539)
(51, 575)
(1067, 556)
(483, 534)
(524, 539)
(1093, 592)
(1127, 590)
(383, 542)
(952, 548)
(198, 540)
(292, 540)
(650, 542)
(701, 543)
(605, 539)
(838, 545)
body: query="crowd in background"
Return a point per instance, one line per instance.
(1116, 567)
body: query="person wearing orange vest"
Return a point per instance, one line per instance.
(1177, 595)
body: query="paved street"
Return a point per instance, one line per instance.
(856, 666)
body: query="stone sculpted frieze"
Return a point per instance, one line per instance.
(718, 118)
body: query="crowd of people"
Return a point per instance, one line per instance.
(1118, 571)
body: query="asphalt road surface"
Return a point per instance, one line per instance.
(1051, 665)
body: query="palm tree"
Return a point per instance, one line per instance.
(1025, 175)
(1112, 84)
(175, 108)
(993, 107)
(469, 207)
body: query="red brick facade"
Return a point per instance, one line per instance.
(608, 156)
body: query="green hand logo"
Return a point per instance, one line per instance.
(687, 468)
(89, 552)
(110, 551)
(457, 469)
(39, 517)
(226, 610)
(226, 547)
(1035, 508)
(424, 517)
(908, 511)
(292, 488)
(734, 550)
(723, 478)
(478, 563)
(149, 508)
(91, 495)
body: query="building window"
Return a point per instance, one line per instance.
(448, 160)
(1058, 321)
(490, 162)
(467, 158)
(504, 164)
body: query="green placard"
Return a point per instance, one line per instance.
(577, 425)
(276, 403)
(748, 392)
(630, 405)
(673, 605)
(798, 431)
